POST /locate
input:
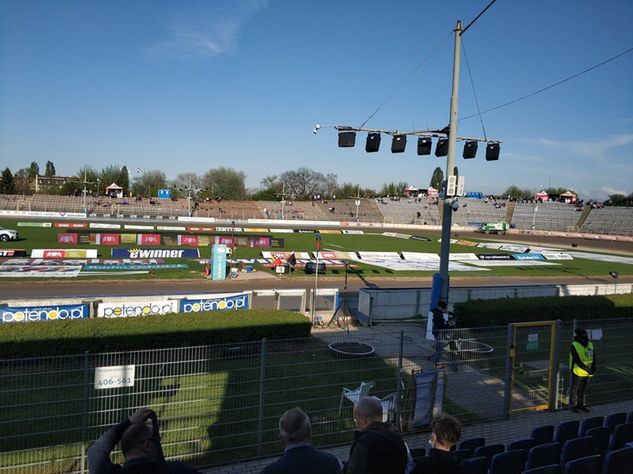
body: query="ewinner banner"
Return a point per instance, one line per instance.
(25, 314)
(224, 302)
(155, 253)
(133, 309)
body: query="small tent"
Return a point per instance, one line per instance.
(542, 196)
(114, 191)
(568, 197)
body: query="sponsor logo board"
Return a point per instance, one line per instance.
(71, 225)
(420, 237)
(78, 261)
(351, 231)
(228, 229)
(12, 253)
(397, 235)
(421, 256)
(133, 309)
(134, 266)
(368, 255)
(556, 256)
(35, 224)
(44, 271)
(255, 229)
(216, 303)
(494, 256)
(64, 253)
(25, 314)
(463, 257)
(136, 253)
(528, 256)
(67, 238)
(138, 227)
(282, 231)
(99, 225)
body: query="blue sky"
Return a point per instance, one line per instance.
(194, 85)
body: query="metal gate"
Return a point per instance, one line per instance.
(532, 368)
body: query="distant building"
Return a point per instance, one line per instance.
(45, 183)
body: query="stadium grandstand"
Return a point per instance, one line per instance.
(472, 212)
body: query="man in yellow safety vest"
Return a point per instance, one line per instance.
(582, 364)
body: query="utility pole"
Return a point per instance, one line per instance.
(450, 167)
(357, 203)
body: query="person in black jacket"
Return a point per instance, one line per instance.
(378, 447)
(445, 432)
(140, 443)
(440, 325)
(299, 456)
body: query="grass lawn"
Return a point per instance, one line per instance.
(40, 237)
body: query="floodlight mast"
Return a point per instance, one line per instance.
(450, 133)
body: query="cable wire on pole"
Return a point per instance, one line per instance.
(395, 91)
(551, 86)
(477, 17)
(472, 85)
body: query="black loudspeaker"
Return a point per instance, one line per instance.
(346, 139)
(441, 149)
(373, 142)
(470, 149)
(398, 143)
(424, 145)
(492, 152)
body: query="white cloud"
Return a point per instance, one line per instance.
(591, 149)
(206, 30)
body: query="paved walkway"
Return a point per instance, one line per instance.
(502, 431)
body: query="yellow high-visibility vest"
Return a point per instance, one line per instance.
(586, 357)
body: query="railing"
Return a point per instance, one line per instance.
(221, 403)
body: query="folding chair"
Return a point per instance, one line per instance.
(353, 395)
(388, 406)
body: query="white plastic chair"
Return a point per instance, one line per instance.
(388, 406)
(355, 394)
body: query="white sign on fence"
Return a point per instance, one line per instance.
(116, 376)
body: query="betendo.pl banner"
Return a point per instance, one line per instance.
(155, 253)
(216, 303)
(138, 308)
(25, 314)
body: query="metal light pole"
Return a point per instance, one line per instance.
(357, 202)
(450, 167)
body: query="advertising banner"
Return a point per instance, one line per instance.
(164, 193)
(64, 253)
(227, 240)
(557, 256)
(110, 239)
(138, 227)
(255, 229)
(25, 314)
(200, 229)
(395, 255)
(39, 271)
(188, 240)
(218, 262)
(421, 256)
(225, 302)
(228, 229)
(154, 253)
(494, 256)
(34, 224)
(133, 309)
(128, 239)
(134, 266)
(99, 225)
(71, 225)
(12, 253)
(67, 238)
(528, 256)
(260, 242)
(148, 239)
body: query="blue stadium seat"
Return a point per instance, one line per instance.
(543, 434)
(543, 455)
(475, 465)
(618, 461)
(566, 430)
(549, 469)
(621, 435)
(510, 462)
(614, 420)
(600, 439)
(489, 451)
(575, 448)
(586, 465)
(462, 454)
(472, 443)
(588, 423)
(525, 444)
(629, 419)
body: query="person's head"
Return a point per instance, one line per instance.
(442, 305)
(581, 336)
(445, 432)
(366, 411)
(138, 441)
(294, 427)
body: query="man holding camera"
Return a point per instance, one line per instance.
(140, 444)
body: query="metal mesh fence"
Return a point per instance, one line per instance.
(221, 403)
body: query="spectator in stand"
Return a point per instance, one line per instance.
(440, 325)
(140, 443)
(299, 456)
(378, 447)
(445, 432)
